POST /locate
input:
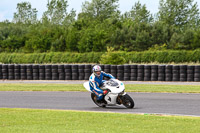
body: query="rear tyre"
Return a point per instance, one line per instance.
(94, 97)
(128, 101)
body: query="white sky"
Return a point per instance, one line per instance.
(8, 7)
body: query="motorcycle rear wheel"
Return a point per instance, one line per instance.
(94, 97)
(128, 101)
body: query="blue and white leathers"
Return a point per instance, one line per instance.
(96, 81)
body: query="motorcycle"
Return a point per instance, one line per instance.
(116, 94)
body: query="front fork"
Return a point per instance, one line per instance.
(120, 98)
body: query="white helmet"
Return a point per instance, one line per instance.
(96, 69)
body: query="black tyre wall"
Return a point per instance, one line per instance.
(140, 73)
(61, 72)
(42, 72)
(176, 73)
(107, 70)
(75, 74)
(197, 73)
(35, 72)
(23, 75)
(190, 73)
(133, 73)
(147, 73)
(1, 75)
(127, 72)
(48, 72)
(11, 75)
(161, 73)
(83, 72)
(168, 73)
(183, 73)
(113, 70)
(154, 73)
(55, 75)
(4, 71)
(17, 72)
(68, 72)
(120, 72)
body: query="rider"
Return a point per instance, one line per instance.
(96, 80)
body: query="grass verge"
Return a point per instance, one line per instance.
(54, 121)
(79, 87)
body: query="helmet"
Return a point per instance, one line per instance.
(96, 69)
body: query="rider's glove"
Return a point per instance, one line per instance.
(105, 92)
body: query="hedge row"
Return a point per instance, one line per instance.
(82, 72)
(45, 58)
(164, 56)
(68, 57)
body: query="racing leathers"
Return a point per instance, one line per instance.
(96, 81)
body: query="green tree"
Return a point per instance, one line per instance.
(181, 13)
(196, 40)
(25, 14)
(70, 19)
(139, 13)
(40, 42)
(12, 36)
(93, 39)
(134, 31)
(100, 9)
(57, 12)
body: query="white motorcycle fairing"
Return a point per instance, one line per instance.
(115, 86)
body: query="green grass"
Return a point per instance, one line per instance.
(164, 88)
(54, 121)
(79, 87)
(41, 87)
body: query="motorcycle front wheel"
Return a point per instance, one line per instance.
(94, 99)
(128, 101)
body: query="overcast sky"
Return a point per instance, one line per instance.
(8, 7)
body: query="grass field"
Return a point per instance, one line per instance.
(57, 121)
(79, 87)
(54, 121)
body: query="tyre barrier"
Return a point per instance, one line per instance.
(107, 69)
(161, 72)
(154, 73)
(168, 73)
(190, 73)
(127, 72)
(5, 71)
(197, 73)
(82, 72)
(147, 73)
(140, 73)
(134, 71)
(1, 76)
(120, 72)
(113, 70)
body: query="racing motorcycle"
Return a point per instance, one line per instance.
(116, 94)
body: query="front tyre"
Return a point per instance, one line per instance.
(128, 101)
(94, 99)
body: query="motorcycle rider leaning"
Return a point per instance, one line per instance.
(96, 80)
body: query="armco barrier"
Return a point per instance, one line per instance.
(82, 72)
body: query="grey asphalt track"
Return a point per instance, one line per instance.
(150, 103)
(82, 81)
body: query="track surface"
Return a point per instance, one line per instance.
(152, 103)
(82, 81)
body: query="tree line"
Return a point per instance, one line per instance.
(100, 25)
